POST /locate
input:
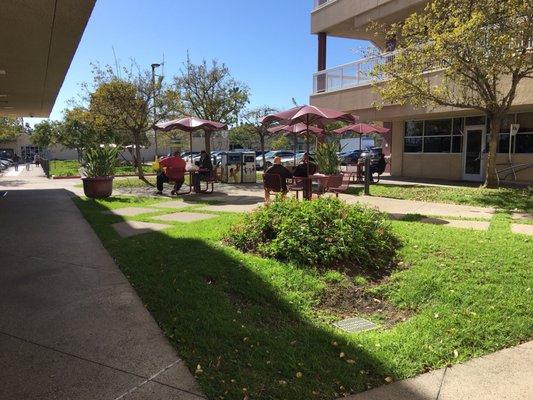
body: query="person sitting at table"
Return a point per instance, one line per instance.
(305, 167)
(173, 170)
(278, 169)
(205, 167)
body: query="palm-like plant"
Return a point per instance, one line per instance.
(327, 159)
(100, 161)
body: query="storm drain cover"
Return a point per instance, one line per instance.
(355, 325)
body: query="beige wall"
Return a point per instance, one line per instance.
(349, 18)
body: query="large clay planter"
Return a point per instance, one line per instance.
(99, 187)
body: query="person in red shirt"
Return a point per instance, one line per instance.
(173, 170)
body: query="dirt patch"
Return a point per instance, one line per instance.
(346, 299)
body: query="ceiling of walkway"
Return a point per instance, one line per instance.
(38, 39)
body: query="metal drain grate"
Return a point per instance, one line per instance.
(355, 325)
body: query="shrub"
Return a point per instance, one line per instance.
(323, 233)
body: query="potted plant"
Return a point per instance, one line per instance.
(98, 171)
(328, 162)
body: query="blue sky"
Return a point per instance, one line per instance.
(266, 44)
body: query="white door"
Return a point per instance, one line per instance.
(473, 153)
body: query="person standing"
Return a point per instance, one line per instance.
(174, 170)
(16, 160)
(28, 161)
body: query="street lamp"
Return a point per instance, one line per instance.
(154, 66)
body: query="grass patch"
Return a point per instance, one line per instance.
(252, 326)
(507, 199)
(71, 168)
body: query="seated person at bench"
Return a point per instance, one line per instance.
(284, 173)
(174, 170)
(205, 168)
(301, 169)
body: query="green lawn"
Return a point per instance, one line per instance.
(71, 168)
(251, 326)
(507, 199)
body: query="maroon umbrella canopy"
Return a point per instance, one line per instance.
(362, 129)
(190, 124)
(308, 115)
(295, 129)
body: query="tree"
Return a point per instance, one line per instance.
(79, 130)
(478, 51)
(244, 135)
(252, 118)
(44, 134)
(280, 142)
(124, 103)
(10, 128)
(210, 92)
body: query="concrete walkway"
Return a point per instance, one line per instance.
(71, 326)
(504, 375)
(403, 207)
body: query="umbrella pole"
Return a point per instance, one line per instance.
(294, 145)
(360, 141)
(308, 183)
(190, 145)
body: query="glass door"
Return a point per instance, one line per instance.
(473, 153)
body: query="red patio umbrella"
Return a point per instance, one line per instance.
(190, 124)
(361, 129)
(309, 116)
(295, 130)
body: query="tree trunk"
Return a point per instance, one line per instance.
(491, 180)
(138, 164)
(207, 138)
(262, 144)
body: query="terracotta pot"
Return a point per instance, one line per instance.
(99, 187)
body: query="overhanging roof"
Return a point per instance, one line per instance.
(38, 41)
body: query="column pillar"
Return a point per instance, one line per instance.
(322, 46)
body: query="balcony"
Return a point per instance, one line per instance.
(320, 3)
(353, 74)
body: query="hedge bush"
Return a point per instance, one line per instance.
(323, 233)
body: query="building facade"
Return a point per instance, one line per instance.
(440, 143)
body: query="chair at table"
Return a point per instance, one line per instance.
(297, 185)
(272, 183)
(339, 183)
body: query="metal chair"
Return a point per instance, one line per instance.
(342, 181)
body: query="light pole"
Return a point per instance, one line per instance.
(154, 66)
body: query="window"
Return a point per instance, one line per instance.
(412, 145)
(433, 136)
(437, 144)
(523, 142)
(414, 128)
(438, 127)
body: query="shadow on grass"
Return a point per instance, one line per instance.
(506, 199)
(236, 331)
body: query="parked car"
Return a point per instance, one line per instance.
(375, 154)
(4, 164)
(289, 161)
(269, 158)
(7, 159)
(187, 154)
(349, 157)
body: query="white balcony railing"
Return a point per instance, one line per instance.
(320, 3)
(356, 73)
